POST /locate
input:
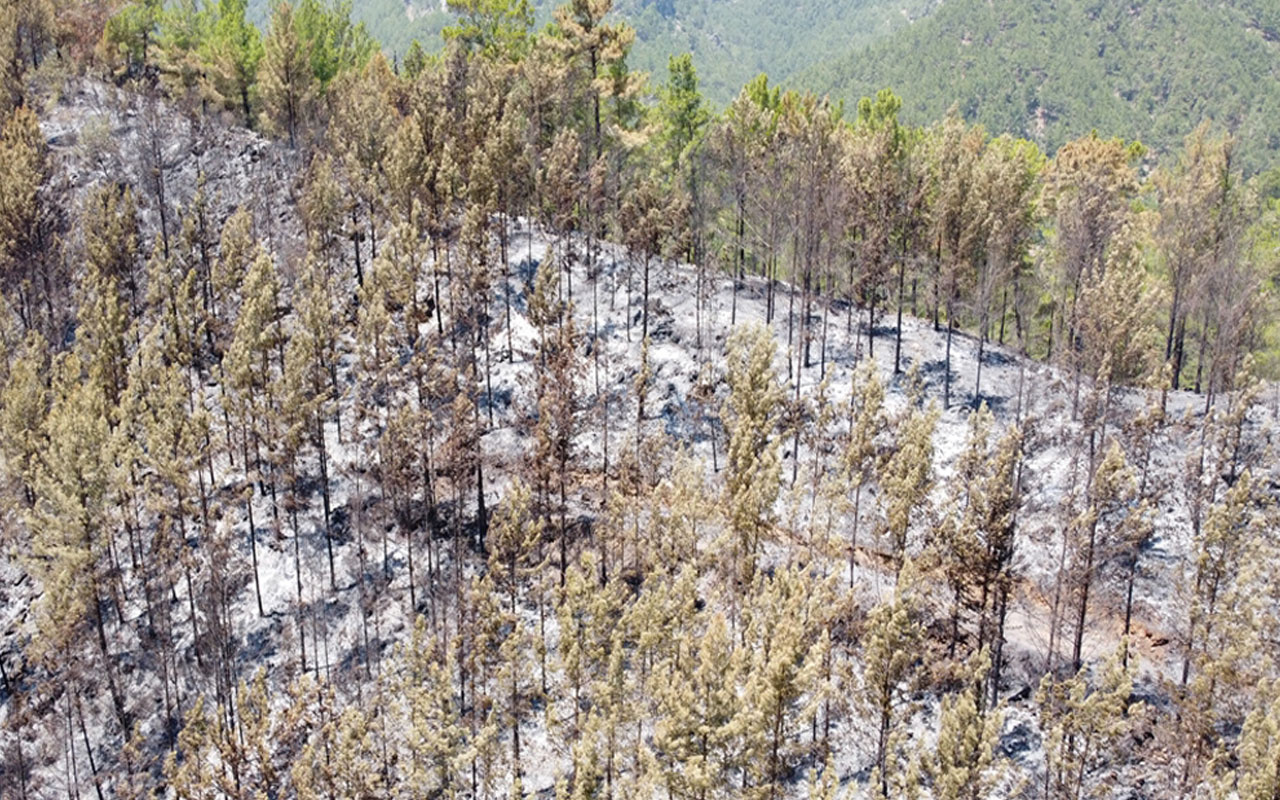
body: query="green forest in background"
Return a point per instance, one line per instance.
(1052, 72)
(731, 43)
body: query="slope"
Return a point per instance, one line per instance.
(1054, 71)
(731, 42)
(254, 172)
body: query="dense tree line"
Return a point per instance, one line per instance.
(197, 415)
(1049, 72)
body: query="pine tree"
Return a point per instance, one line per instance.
(888, 181)
(332, 42)
(1001, 495)
(682, 109)
(285, 78)
(1095, 532)
(906, 478)
(735, 143)
(472, 282)
(434, 737)
(872, 160)
(824, 783)
(514, 543)
(357, 758)
(648, 219)
(695, 691)
(297, 410)
(957, 539)
(170, 435)
(248, 370)
(173, 298)
(24, 400)
(193, 778)
(1222, 652)
(362, 127)
(751, 417)
(1008, 179)
(105, 320)
(594, 48)
(232, 54)
(587, 613)
(312, 358)
(128, 36)
(237, 250)
(195, 254)
(182, 37)
(861, 452)
(785, 661)
(1198, 232)
(1082, 726)
(964, 764)
(11, 74)
(681, 509)
(1115, 344)
(956, 227)
(812, 141)
(891, 650)
(322, 210)
(556, 395)
(1141, 435)
(1255, 773)
(484, 626)
(494, 29)
(30, 272)
(134, 772)
(1086, 191)
(559, 187)
(71, 544)
(311, 771)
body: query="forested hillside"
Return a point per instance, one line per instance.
(731, 43)
(394, 24)
(1147, 70)
(1049, 72)
(514, 425)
